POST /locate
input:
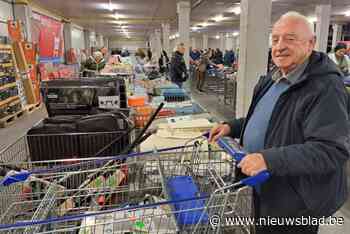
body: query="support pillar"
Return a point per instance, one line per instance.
(183, 11)
(166, 40)
(255, 21)
(193, 43)
(158, 43)
(222, 41)
(23, 12)
(68, 38)
(205, 41)
(337, 34)
(323, 13)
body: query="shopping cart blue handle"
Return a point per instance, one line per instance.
(257, 179)
(18, 177)
(238, 155)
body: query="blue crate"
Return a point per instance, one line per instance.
(181, 188)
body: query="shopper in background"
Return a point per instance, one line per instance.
(340, 58)
(194, 62)
(202, 70)
(140, 53)
(149, 55)
(218, 57)
(178, 70)
(115, 57)
(229, 58)
(104, 52)
(194, 56)
(297, 128)
(140, 61)
(163, 62)
(94, 63)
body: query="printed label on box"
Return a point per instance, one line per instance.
(109, 102)
(178, 118)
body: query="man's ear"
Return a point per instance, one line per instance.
(313, 42)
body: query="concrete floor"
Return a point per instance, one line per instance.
(20, 127)
(210, 102)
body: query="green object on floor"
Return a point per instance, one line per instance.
(139, 224)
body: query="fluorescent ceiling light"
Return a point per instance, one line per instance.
(236, 10)
(177, 35)
(194, 28)
(110, 5)
(219, 18)
(217, 37)
(347, 14)
(124, 26)
(205, 24)
(235, 34)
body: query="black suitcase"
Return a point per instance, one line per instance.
(66, 137)
(81, 96)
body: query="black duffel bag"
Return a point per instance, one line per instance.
(66, 137)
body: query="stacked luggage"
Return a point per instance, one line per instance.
(76, 136)
(86, 115)
(83, 96)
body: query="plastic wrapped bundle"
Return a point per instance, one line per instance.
(175, 95)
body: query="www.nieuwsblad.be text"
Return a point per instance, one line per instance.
(215, 221)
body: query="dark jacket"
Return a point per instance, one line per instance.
(178, 70)
(229, 58)
(218, 58)
(306, 144)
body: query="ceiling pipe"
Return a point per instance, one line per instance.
(196, 4)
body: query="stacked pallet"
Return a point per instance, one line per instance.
(10, 103)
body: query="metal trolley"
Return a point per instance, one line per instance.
(173, 190)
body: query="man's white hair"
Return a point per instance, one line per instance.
(297, 16)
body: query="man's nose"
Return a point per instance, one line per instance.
(280, 45)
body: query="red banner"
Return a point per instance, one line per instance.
(48, 34)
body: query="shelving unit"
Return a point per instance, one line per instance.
(10, 107)
(6, 86)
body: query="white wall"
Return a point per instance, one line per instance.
(78, 38)
(129, 45)
(213, 43)
(5, 14)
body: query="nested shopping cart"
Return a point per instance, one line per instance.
(173, 190)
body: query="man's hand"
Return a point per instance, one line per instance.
(219, 131)
(253, 164)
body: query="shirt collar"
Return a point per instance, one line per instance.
(292, 76)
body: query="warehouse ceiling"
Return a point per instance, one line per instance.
(138, 18)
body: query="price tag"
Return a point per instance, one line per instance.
(109, 102)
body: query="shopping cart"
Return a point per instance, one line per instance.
(174, 190)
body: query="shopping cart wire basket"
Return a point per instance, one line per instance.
(143, 194)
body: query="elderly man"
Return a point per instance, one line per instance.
(297, 128)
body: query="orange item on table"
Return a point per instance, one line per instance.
(134, 101)
(142, 115)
